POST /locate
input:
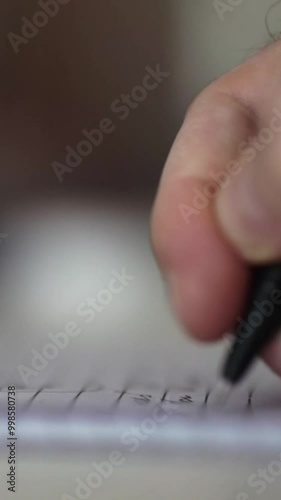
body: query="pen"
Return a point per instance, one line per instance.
(258, 324)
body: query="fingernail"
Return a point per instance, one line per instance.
(248, 218)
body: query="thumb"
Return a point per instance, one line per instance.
(248, 209)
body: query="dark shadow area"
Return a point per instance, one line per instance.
(65, 78)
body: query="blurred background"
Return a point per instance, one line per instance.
(60, 241)
(66, 77)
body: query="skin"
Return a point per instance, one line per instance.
(206, 259)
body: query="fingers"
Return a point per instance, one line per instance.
(219, 202)
(208, 279)
(249, 209)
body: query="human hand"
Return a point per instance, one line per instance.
(218, 208)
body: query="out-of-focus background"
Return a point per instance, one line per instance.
(61, 241)
(65, 78)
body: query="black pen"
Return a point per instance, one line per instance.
(258, 324)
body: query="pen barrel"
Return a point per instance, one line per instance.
(259, 322)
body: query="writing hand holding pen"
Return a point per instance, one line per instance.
(218, 208)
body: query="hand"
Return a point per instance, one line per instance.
(219, 202)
